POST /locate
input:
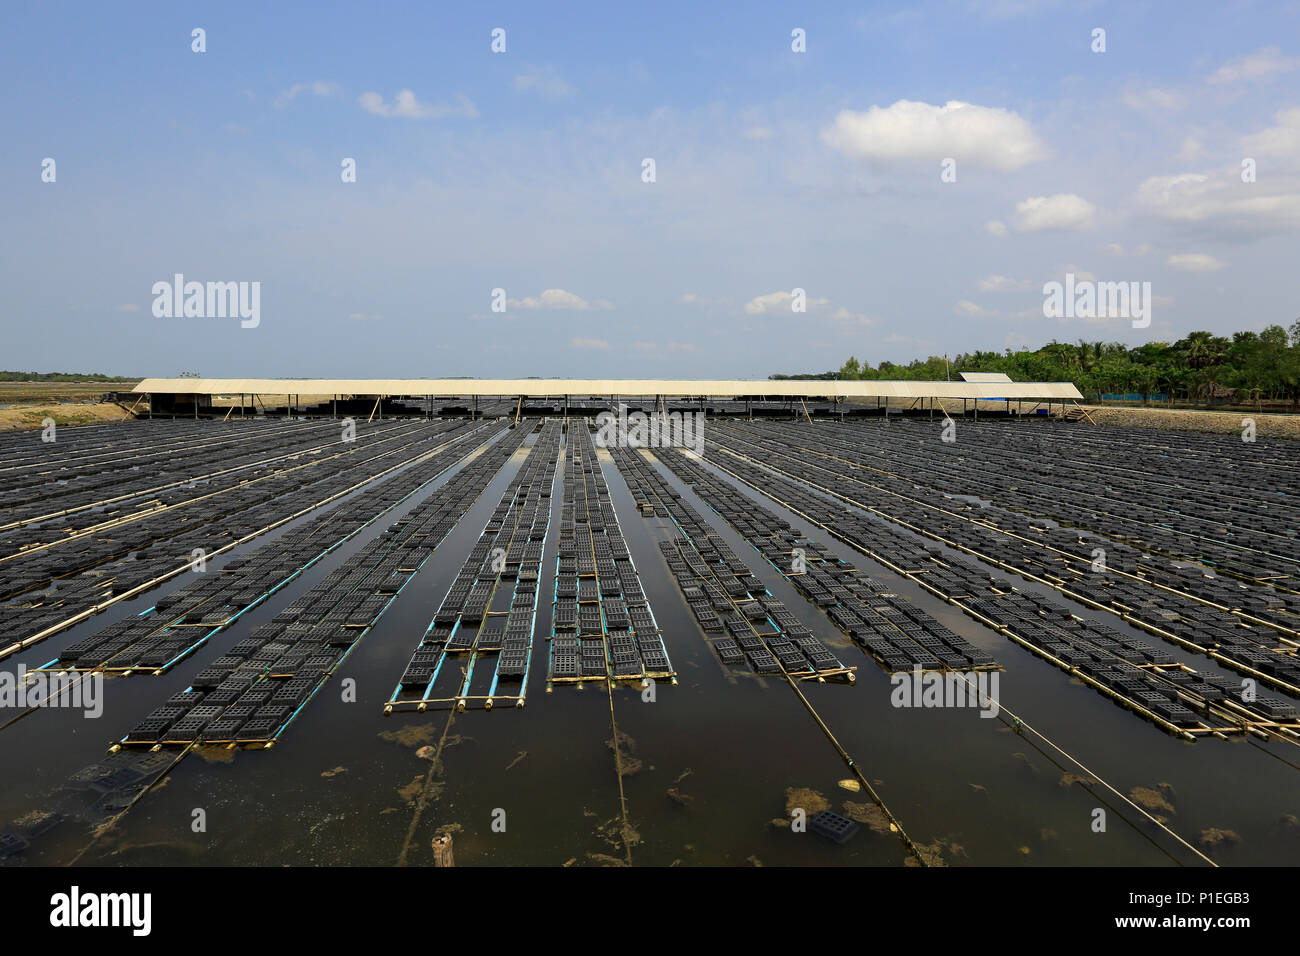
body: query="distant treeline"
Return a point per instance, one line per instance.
(1249, 366)
(63, 377)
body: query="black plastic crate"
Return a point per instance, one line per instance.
(728, 652)
(511, 664)
(833, 827)
(259, 728)
(417, 678)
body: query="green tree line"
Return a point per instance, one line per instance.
(1248, 367)
(63, 377)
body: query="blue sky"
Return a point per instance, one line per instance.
(522, 170)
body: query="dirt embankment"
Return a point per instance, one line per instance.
(1267, 425)
(1191, 420)
(32, 416)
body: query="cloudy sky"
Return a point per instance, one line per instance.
(524, 171)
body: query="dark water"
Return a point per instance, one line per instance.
(707, 764)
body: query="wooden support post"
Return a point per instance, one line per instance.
(805, 411)
(373, 410)
(519, 409)
(442, 850)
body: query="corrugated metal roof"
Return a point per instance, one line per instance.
(557, 387)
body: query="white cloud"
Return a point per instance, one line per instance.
(1280, 140)
(776, 303)
(1058, 211)
(406, 106)
(1082, 275)
(318, 88)
(997, 283)
(1223, 201)
(363, 317)
(979, 135)
(759, 133)
(1115, 249)
(558, 299)
(1192, 147)
(996, 227)
(1262, 65)
(1194, 262)
(853, 318)
(694, 298)
(545, 82)
(1155, 100)
(970, 310)
(658, 347)
(580, 343)
(127, 307)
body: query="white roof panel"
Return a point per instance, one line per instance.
(557, 387)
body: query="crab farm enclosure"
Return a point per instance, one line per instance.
(507, 633)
